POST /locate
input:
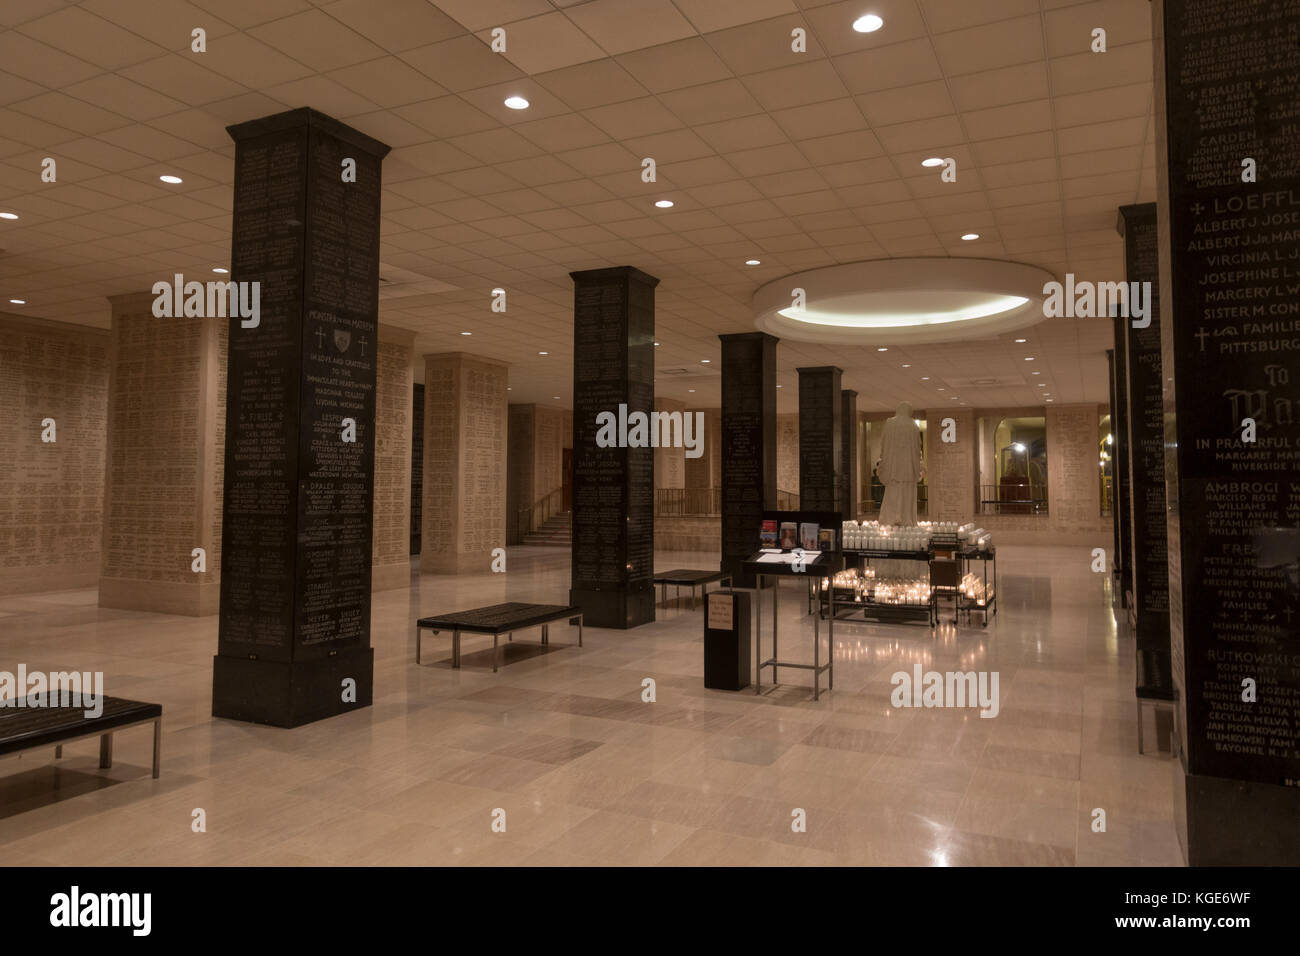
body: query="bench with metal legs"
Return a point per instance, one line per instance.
(496, 620)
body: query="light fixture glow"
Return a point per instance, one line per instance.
(1018, 446)
(932, 161)
(8, 215)
(993, 305)
(705, 361)
(1021, 341)
(516, 103)
(907, 366)
(220, 271)
(1035, 373)
(1029, 358)
(970, 235)
(691, 390)
(1110, 439)
(751, 262)
(467, 333)
(18, 301)
(171, 179)
(664, 203)
(868, 23)
(656, 345)
(925, 378)
(543, 353)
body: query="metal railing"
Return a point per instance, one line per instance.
(1107, 497)
(1013, 500)
(672, 502)
(535, 515)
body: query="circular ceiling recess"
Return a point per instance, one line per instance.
(898, 301)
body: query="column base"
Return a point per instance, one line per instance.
(290, 694)
(620, 609)
(1223, 822)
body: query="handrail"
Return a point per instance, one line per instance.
(535, 515)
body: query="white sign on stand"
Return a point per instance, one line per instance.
(721, 616)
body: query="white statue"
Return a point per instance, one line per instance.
(899, 468)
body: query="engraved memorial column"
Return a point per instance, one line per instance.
(748, 445)
(613, 488)
(391, 544)
(466, 423)
(165, 440)
(294, 634)
(1123, 568)
(1145, 511)
(1118, 506)
(819, 439)
(849, 453)
(1227, 80)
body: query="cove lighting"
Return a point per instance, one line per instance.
(869, 23)
(516, 103)
(993, 305)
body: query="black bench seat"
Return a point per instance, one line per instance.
(497, 619)
(31, 727)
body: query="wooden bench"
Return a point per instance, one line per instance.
(32, 727)
(496, 619)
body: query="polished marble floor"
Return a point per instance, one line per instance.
(584, 770)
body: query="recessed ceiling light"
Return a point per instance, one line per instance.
(656, 345)
(1042, 385)
(467, 333)
(942, 389)
(18, 301)
(171, 179)
(780, 386)
(543, 353)
(907, 366)
(1021, 341)
(516, 102)
(751, 262)
(932, 161)
(1035, 373)
(220, 271)
(691, 390)
(925, 378)
(555, 398)
(1049, 399)
(970, 235)
(8, 215)
(508, 388)
(705, 361)
(869, 23)
(664, 203)
(1029, 358)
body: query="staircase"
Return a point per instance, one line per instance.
(555, 532)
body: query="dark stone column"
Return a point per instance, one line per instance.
(820, 486)
(613, 488)
(1119, 428)
(1117, 511)
(748, 445)
(296, 544)
(849, 453)
(1227, 80)
(1149, 559)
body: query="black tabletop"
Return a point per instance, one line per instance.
(497, 618)
(688, 576)
(24, 727)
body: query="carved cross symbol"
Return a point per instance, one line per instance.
(1197, 208)
(320, 338)
(1201, 338)
(363, 342)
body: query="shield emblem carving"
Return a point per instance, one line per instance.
(342, 339)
